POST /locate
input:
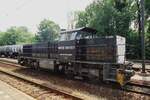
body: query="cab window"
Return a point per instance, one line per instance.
(84, 35)
(62, 37)
(68, 36)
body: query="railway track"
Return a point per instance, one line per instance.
(130, 87)
(139, 69)
(137, 88)
(45, 87)
(146, 61)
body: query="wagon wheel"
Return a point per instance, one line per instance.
(69, 73)
(56, 68)
(36, 65)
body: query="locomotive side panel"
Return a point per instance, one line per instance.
(96, 49)
(40, 50)
(81, 50)
(27, 50)
(53, 50)
(109, 49)
(66, 50)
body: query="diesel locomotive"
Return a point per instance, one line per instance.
(81, 53)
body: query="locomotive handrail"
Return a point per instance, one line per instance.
(87, 29)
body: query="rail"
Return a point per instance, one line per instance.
(43, 85)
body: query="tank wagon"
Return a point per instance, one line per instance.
(80, 53)
(11, 51)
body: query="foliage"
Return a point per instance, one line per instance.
(147, 44)
(1, 37)
(16, 35)
(147, 10)
(133, 45)
(147, 34)
(107, 16)
(48, 31)
(147, 7)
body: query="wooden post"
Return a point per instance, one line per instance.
(142, 36)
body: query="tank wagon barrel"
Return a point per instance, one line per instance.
(10, 51)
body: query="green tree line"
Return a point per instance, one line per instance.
(16, 35)
(47, 31)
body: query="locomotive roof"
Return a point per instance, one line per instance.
(86, 29)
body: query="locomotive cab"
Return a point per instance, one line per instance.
(70, 41)
(77, 34)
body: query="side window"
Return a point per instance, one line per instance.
(84, 35)
(78, 36)
(68, 36)
(73, 36)
(63, 37)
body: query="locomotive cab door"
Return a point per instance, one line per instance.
(72, 44)
(66, 46)
(80, 47)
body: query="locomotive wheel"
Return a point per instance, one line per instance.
(24, 62)
(56, 68)
(70, 75)
(36, 65)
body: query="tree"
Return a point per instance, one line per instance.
(147, 45)
(147, 30)
(48, 31)
(147, 8)
(147, 15)
(24, 36)
(16, 35)
(1, 38)
(109, 17)
(82, 20)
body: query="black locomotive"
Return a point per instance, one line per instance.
(80, 53)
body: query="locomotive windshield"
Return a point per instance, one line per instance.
(81, 33)
(68, 36)
(84, 35)
(76, 35)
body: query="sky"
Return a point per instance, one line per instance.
(29, 13)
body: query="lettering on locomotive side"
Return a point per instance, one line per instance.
(61, 48)
(66, 47)
(65, 54)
